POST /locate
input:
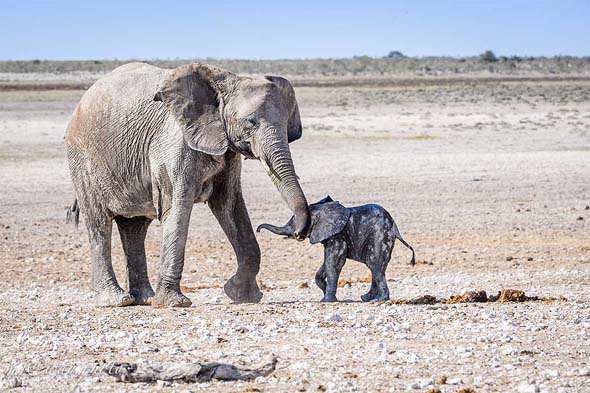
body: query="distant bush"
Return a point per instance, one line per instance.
(488, 56)
(395, 54)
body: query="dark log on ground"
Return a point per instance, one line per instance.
(186, 372)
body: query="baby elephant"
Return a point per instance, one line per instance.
(364, 233)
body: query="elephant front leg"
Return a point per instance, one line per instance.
(175, 230)
(230, 210)
(320, 278)
(334, 259)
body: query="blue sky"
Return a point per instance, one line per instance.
(105, 29)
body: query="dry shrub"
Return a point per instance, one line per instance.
(512, 295)
(186, 289)
(469, 297)
(344, 282)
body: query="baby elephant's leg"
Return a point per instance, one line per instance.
(372, 292)
(377, 261)
(320, 278)
(334, 259)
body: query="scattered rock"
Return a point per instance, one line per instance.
(334, 318)
(442, 380)
(303, 285)
(509, 258)
(10, 382)
(454, 381)
(526, 387)
(466, 390)
(434, 390)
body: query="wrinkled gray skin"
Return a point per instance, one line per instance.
(146, 143)
(364, 233)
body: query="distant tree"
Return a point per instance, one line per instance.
(488, 56)
(395, 54)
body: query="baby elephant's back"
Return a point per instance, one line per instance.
(369, 220)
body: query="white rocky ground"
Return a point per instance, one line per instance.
(487, 181)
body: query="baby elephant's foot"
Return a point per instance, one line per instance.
(329, 299)
(143, 294)
(166, 297)
(115, 297)
(380, 298)
(367, 297)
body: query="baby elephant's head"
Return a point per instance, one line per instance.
(328, 218)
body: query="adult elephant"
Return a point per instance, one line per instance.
(146, 143)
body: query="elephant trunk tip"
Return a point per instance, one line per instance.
(284, 230)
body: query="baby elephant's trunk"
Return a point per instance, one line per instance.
(284, 230)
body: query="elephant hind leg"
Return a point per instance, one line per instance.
(108, 292)
(133, 232)
(377, 261)
(372, 292)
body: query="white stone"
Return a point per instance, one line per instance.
(526, 387)
(334, 318)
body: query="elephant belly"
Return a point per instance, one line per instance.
(135, 204)
(205, 194)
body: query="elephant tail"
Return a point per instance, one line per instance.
(401, 239)
(73, 213)
(398, 236)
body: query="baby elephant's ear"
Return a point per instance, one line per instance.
(327, 220)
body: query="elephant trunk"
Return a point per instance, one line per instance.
(276, 159)
(283, 231)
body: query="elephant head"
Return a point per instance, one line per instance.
(328, 218)
(256, 117)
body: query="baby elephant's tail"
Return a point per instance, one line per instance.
(401, 239)
(398, 235)
(73, 213)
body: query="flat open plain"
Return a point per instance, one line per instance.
(488, 180)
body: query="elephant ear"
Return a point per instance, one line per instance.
(192, 93)
(294, 129)
(327, 220)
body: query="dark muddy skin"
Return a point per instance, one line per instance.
(364, 233)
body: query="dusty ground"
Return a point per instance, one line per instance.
(488, 181)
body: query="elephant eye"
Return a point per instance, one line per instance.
(250, 123)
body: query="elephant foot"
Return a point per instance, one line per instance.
(166, 297)
(115, 297)
(329, 299)
(242, 292)
(367, 297)
(143, 294)
(380, 298)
